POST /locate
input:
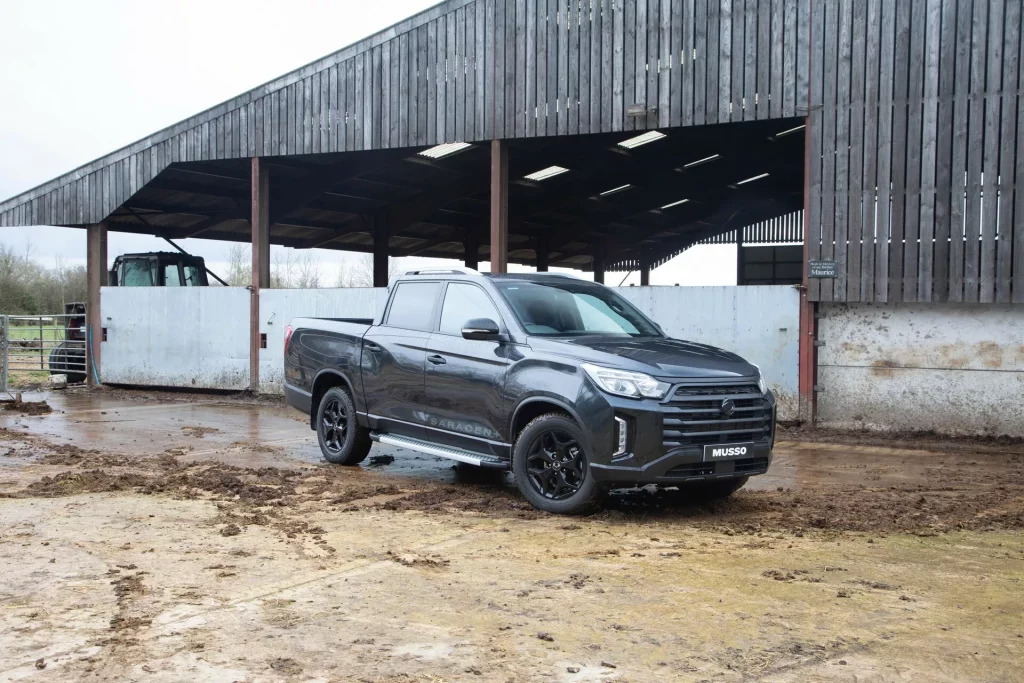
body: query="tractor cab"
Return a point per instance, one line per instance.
(158, 269)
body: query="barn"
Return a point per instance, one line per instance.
(612, 135)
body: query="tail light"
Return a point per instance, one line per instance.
(287, 338)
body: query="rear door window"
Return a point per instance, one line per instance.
(412, 306)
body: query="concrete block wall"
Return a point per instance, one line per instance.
(947, 368)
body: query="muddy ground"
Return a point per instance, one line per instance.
(165, 537)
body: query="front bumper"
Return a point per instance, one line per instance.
(678, 467)
(666, 438)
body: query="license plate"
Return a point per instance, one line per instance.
(728, 451)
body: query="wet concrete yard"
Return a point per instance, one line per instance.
(167, 537)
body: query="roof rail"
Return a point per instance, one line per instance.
(443, 271)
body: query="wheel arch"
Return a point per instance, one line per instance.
(533, 407)
(324, 381)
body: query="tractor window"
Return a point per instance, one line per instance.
(136, 273)
(171, 276)
(193, 276)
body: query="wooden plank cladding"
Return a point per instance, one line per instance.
(915, 129)
(919, 172)
(473, 70)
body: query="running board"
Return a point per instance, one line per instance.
(449, 452)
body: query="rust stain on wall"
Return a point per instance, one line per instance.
(884, 368)
(990, 354)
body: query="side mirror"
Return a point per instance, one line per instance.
(480, 328)
(112, 278)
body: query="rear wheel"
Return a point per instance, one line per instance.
(551, 466)
(342, 440)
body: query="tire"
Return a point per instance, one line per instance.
(551, 467)
(342, 440)
(713, 490)
(68, 360)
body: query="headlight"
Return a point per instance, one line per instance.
(625, 383)
(761, 384)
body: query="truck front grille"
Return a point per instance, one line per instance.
(693, 415)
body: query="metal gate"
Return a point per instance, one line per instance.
(32, 347)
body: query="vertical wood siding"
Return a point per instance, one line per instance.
(915, 186)
(470, 70)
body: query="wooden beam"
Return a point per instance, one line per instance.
(499, 206)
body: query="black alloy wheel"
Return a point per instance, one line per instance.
(556, 465)
(334, 425)
(342, 440)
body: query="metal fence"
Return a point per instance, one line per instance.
(32, 347)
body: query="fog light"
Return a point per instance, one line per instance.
(621, 436)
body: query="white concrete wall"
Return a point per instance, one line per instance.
(176, 336)
(279, 306)
(761, 324)
(948, 368)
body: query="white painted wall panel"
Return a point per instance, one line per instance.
(948, 368)
(200, 337)
(761, 324)
(176, 337)
(279, 306)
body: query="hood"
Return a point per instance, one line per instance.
(658, 356)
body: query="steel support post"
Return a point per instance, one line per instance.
(3, 352)
(599, 261)
(380, 251)
(95, 275)
(543, 250)
(807, 366)
(260, 224)
(499, 206)
(471, 245)
(741, 263)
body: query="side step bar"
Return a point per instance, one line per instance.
(449, 452)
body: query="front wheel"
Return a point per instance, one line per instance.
(342, 440)
(551, 466)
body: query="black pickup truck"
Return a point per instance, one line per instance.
(560, 380)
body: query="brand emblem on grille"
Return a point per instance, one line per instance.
(728, 407)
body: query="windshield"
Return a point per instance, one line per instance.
(573, 308)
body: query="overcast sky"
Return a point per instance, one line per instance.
(83, 78)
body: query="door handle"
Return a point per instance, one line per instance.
(437, 360)
(371, 347)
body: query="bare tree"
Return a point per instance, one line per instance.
(282, 271)
(307, 272)
(239, 266)
(346, 275)
(362, 272)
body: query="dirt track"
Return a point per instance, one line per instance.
(213, 552)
